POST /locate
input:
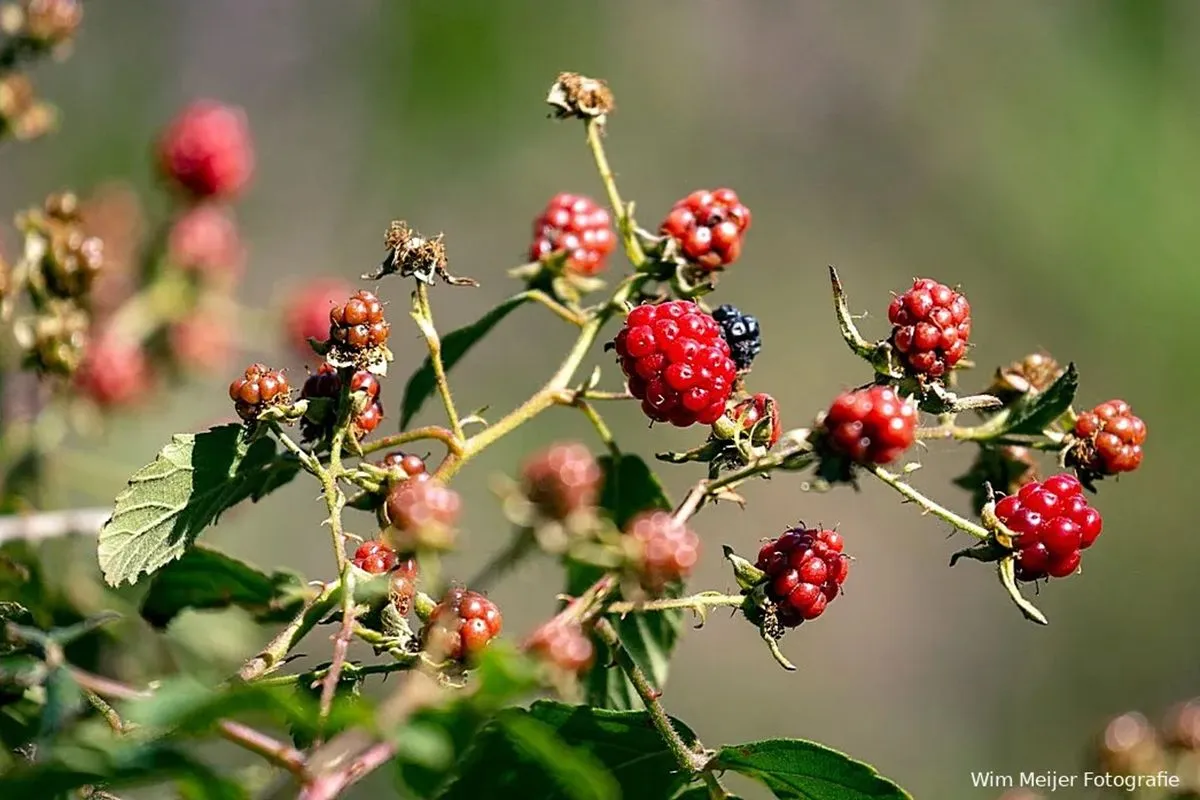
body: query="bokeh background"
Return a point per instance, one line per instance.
(1043, 156)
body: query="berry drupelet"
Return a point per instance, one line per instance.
(325, 383)
(1108, 440)
(1053, 523)
(709, 227)
(576, 228)
(405, 464)
(375, 557)
(462, 625)
(871, 426)
(359, 323)
(562, 479)
(206, 150)
(677, 363)
(664, 550)
(743, 334)
(257, 390)
(931, 325)
(806, 569)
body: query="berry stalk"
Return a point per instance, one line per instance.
(929, 506)
(422, 314)
(633, 248)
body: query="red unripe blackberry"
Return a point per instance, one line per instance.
(113, 372)
(258, 389)
(677, 363)
(421, 515)
(805, 569)
(325, 383)
(1109, 439)
(462, 625)
(201, 341)
(562, 479)
(759, 414)
(871, 426)
(663, 550)
(205, 240)
(207, 151)
(403, 587)
(931, 325)
(1053, 523)
(563, 644)
(307, 313)
(709, 227)
(359, 323)
(575, 226)
(408, 464)
(375, 557)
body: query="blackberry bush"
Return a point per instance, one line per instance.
(96, 324)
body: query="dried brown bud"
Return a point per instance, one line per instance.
(574, 95)
(1032, 374)
(412, 255)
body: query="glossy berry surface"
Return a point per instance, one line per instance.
(759, 416)
(375, 557)
(462, 625)
(408, 464)
(931, 325)
(743, 334)
(806, 569)
(871, 426)
(325, 383)
(421, 515)
(1053, 523)
(562, 479)
(359, 324)
(563, 644)
(307, 313)
(113, 373)
(709, 227)
(677, 363)
(665, 550)
(403, 586)
(258, 389)
(205, 240)
(576, 227)
(1109, 438)
(207, 151)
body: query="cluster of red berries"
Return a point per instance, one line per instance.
(359, 324)
(677, 362)
(1109, 439)
(708, 227)
(421, 514)
(462, 625)
(377, 558)
(326, 383)
(562, 479)
(806, 569)
(411, 466)
(206, 151)
(307, 315)
(1053, 523)
(563, 644)
(932, 324)
(760, 416)
(664, 550)
(871, 426)
(257, 390)
(577, 228)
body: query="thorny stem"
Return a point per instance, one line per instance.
(929, 506)
(633, 248)
(319, 674)
(695, 602)
(341, 644)
(273, 655)
(974, 433)
(690, 759)
(558, 308)
(602, 429)
(423, 314)
(429, 432)
(797, 453)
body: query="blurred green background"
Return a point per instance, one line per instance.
(1041, 155)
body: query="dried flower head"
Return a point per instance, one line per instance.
(412, 255)
(574, 95)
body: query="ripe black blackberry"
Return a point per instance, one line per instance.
(743, 334)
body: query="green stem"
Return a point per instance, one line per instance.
(929, 506)
(690, 759)
(715, 790)
(423, 314)
(429, 432)
(696, 602)
(273, 655)
(602, 429)
(633, 248)
(558, 308)
(972, 433)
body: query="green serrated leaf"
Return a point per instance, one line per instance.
(630, 488)
(170, 502)
(1035, 413)
(204, 578)
(454, 346)
(794, 769)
